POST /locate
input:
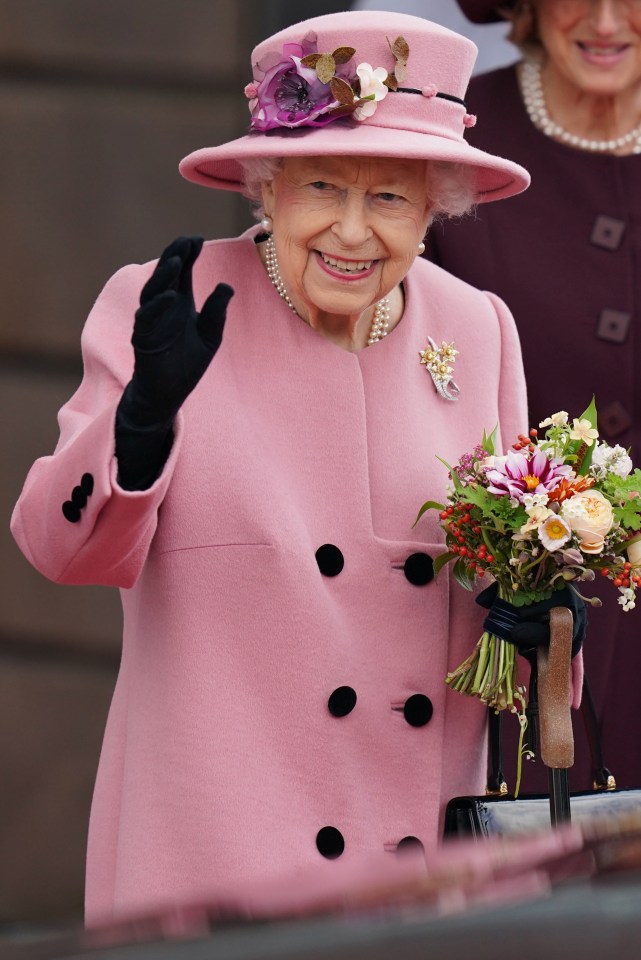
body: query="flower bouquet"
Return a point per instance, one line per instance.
(558, 507)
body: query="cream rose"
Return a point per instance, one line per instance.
(634, 553)
(590, 516)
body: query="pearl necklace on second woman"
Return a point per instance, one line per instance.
(380, 320)
(534, 99)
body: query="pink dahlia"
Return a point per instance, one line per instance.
(520, 474)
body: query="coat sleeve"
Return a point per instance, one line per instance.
(73, 522)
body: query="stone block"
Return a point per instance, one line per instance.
(90, 183)
(193, 40)
(52, 715)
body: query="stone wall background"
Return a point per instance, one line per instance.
(99, 99)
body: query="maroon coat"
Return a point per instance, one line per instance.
(566, 257)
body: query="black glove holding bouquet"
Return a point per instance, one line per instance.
(173, 347)
(528, 627)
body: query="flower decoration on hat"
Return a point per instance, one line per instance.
(400, 51)
(373, 89)
(438, 361)
(303, 88)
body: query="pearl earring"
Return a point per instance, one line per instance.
(267, 224)
(421, 248)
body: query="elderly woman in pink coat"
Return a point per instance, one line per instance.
(281, 699)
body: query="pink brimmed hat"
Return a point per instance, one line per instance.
(359, 84)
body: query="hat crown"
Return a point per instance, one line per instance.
(409, 102)
(437, 56)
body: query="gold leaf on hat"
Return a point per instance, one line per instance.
(341, 91)
(345, 110)
(343, 54)
(311, 60)
(325, 67)
(401, 51)
(390, 82)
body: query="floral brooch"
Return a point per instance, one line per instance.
(438, 361)
(304, 88)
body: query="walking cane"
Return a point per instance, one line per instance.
(556, 741)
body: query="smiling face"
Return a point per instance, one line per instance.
(346, 230)
(594, 44)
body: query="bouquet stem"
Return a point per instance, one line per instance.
(482, 655)
(491, 674)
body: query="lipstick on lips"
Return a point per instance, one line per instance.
(602, 54)
(344, 269)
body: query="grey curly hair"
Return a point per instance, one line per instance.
(452, 191)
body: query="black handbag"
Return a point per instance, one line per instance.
(499, 813)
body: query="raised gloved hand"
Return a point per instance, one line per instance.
(173, 346)
(173, 343)
(528, 627)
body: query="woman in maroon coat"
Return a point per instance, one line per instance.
(566, 257)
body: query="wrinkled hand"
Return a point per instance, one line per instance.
(528, 627)
(173, 343)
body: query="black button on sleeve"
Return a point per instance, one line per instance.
(330, 843)
(79, 497)
(330, 560)
(71, 511)
(418, 710)
(342, 701)
(419, 569)
(86, 483)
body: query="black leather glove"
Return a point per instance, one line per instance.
(173, 346)
(528, 627)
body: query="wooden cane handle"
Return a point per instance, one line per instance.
(555, 722)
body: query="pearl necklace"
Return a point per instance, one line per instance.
(380, 320)
(534, 99)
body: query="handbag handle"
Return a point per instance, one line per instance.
(603, 778)
(556, 740)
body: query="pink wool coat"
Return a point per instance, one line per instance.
(276, 707)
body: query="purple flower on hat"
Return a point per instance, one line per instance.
(303, 88)
(520, 474)
(291, 94)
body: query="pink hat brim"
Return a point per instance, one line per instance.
(218, 167)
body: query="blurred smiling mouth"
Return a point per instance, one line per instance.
(602, 51)
(348, 267)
